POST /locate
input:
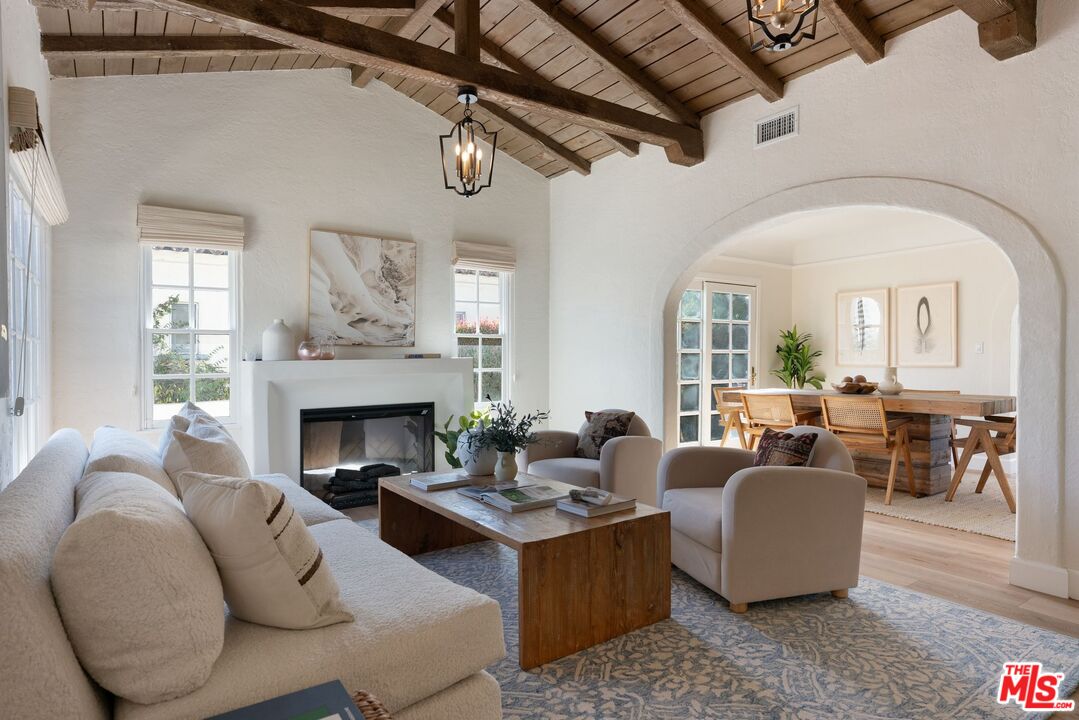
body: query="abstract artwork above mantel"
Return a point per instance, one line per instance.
(363, 290)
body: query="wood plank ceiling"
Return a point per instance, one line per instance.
(641, 56)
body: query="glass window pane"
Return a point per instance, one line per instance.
(687, 428)
(476, 387)
(491, 385)
(491, 353)
(717, 427)
(739, 367)
(740, 307)
(721, 306)
(691, 304)
(171, 353)
(489, 287)
(211, 310)
(212, 394)
(691, 336)
(466, 320)
(211, 268)
(490, 319)
(464, 285)
(211, 354)
(721, 336)
(740, 337)
(720, 369)
(469, 348)
(169, 395)
(690, 366)
(169, 266)
(690, 398)
(171, 310)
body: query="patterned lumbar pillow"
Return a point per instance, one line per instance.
(601, 427)
(784, 449)
(202, 446)
(271, 567)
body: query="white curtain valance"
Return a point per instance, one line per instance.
(31, 164)
(189, 228)
(480, 256)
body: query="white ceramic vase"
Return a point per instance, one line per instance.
(474, 460)
(277, 343)
(890, 385)
(506, 466)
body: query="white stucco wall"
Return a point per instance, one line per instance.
(936, 108)
(288, 151)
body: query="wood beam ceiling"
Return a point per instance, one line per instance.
(407, 28)
(366, 7)
(315, 32)
(66, 47)
(855, 29)
(1006, 28)
(591, 45)
(703, 24)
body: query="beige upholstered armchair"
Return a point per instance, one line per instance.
(760, 533)
(626, 465)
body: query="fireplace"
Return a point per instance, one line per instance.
(344, 451)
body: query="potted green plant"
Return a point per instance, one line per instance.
(454, 440)
(508, 435)
(799, 360)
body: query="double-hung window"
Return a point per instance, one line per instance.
(190, 319)
(481, 330)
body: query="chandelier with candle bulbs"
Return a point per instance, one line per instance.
(781, 24)
(464, 168)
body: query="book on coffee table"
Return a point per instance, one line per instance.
(442, 481)
(617, 504)
(520, 499)
(476, 492)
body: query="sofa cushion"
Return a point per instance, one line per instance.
(599, 428)
(204, 447)
(780, 449)
(137, 590)
(312, 510)
(271, 567)
(415, 634)
(116, 450)
(582, 472)
(697, 513)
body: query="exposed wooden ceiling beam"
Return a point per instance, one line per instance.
(490, 52)
(593, 46)
(316, 32)
(572, 159)
(1006, 28)
(703, 24)
(855, 29)
(56, 47)
(407, 28)
(466, 29)
(365, 7)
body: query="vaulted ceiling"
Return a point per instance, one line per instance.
(663, 63)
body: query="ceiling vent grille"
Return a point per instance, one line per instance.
(775, 128)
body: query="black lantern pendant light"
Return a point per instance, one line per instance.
(781, 22)
(464, 169)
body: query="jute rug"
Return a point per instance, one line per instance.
(985, 513)
(883, 653)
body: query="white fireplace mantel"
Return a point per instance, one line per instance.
(272, 394)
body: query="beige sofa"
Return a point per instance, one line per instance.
(761, 533)
(626, 465)
(419, 642)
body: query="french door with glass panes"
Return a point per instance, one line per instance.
(716, 343)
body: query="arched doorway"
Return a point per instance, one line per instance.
(1039, 545)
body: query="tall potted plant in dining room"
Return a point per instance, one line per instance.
(508, 434)
(799, 360)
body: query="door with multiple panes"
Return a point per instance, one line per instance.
(716, 341)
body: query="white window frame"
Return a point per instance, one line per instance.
(505, 282)
(147, 331)
(28, 430)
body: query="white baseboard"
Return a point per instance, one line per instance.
(1048, 579)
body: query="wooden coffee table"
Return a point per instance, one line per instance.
(581, 581)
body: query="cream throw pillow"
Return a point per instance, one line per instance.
(116, 450)
(271, 567)
(137, 590)
(204, 446)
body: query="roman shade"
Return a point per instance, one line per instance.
(480, 256)
(189, 228)
(31, 163)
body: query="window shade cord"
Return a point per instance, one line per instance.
(20, 380)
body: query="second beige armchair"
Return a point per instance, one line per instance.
(626, 466)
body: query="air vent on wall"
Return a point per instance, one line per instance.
(775, 128)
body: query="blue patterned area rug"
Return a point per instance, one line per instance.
(885, 652)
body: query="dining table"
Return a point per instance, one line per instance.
(931, 430)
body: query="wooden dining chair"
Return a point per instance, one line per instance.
(771, 411)
(983, 440)
(861, 422)
(953, 440)
(731, 416)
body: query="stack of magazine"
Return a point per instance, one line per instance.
(617, 504)
(514, 496)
